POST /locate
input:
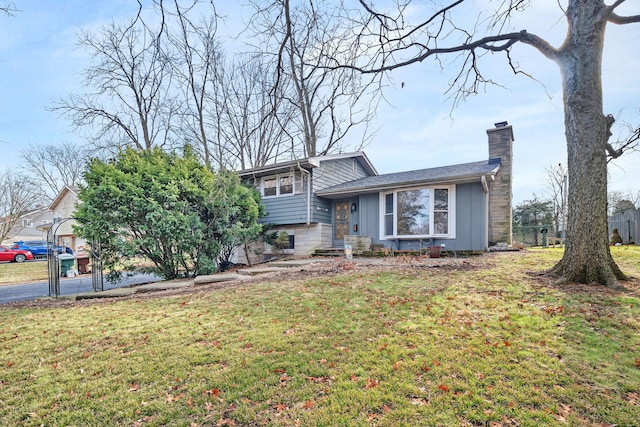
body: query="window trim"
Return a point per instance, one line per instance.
(451, 214)
(296, 184)
(292, 244)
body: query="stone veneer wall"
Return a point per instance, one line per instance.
(500, 190)
(308, 238)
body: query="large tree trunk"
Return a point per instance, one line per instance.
(587, 258)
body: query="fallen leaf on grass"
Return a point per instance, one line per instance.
(319, 379)
(172, 399)
(444, 388)
(309, 404)
(420, 401)
(213, 392)
(371, 383)
(134, 387)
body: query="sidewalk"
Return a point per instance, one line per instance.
(274, 266)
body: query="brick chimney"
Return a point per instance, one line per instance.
(500, 193)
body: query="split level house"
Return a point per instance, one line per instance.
(327, 201)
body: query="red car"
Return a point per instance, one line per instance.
(11, 255)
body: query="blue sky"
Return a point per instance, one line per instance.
(417, 127)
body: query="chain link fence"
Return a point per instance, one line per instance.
(536, 235)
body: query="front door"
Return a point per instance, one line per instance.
(341, 219)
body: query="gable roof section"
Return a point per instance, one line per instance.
(454, 174)
(309, 163)
(73, 189)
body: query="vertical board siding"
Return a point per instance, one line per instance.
(470, 222)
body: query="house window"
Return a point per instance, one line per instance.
(27, 223)
(286, 185)
(288, 249)
(281, 185)
(270, 187)
(418, 212)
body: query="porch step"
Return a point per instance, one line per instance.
(334, 252)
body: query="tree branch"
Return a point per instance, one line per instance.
(485, 43)
(621, 20)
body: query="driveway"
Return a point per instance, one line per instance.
(68, 286)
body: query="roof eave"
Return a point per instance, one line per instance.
(411, 184)
(282, 167)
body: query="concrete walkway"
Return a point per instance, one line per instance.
(270, 267)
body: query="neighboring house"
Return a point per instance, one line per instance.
(321, 201)
(63, 208)
(30, 226)
(628, 225)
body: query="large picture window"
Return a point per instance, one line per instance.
(418, 213)
(281, 185)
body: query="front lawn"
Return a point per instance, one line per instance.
(471, 342)
(12, 273)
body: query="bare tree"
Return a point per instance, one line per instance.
(620, 201)
(17, 197)
(383, 42)
(130, 101)
(55, 166)
(258, 129)
(9, 8)
(196, 63)
(630, 142)
(329, 103)
(557, 182)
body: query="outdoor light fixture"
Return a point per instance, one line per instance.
(354, 207)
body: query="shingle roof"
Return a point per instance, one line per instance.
(308, 163)
(466, 172)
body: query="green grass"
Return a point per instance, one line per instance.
(475, 344)
(12, 273)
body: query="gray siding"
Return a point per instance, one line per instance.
(285, 210)
(470, 218)
(293, 209)
(368, 213)
(334, 172)
(470, 222)
(320, 210)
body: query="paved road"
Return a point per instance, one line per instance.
(68, 286)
